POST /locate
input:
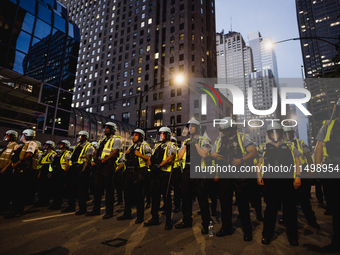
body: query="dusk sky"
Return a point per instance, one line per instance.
(274, 18)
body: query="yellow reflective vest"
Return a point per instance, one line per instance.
(166, 152)
(82, 156)
(46, 159)
(201, 140)
(141, 161)
(108, 146)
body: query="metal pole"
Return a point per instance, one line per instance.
(140, 107)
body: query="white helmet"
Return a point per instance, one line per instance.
(39, 144)
(288, 133)
(28, 134)
(83, 133)
(165, 130)
(12, 133)
(277, 131)
(192, 121)
(141, 132)
(66, 143)
(50, 143)
(111, 125)
(227, 123)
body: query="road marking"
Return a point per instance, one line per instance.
(52, 216)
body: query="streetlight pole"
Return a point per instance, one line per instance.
(320, 38)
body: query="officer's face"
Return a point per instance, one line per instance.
(135, 137)
(162, 137)
(7, 137)
(81, 138)
(61, 146)
(192, 129)
(290, 135)
(107, 130)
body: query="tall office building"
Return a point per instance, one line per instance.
(133, 46)
(319, 19)
(38, 56)
(234, 60)
(262, 80)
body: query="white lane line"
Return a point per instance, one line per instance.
(52, 216)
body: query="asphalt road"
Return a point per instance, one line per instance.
(41, 231)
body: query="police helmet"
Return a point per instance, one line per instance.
(95, 144)
(165, 130)
(39, 144)
(139, 131)
(277, 131)
(66, 143)
(13, 134)
(111, 125)
(227, 123)
(173, 139)
(29, 134)
(83, 133)
(50, 143)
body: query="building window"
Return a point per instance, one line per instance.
(179, 92)
(179, 106)
(181, 37)
(181, 57)
(179, 119)
(196, 104)
(125, 117)
(155, 97)
(172, 108)
(173, 93)
(160, 95)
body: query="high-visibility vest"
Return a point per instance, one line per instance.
(201, 140)
(7, 154)
(63, 159)
(34, 159)
(82, 156)
(166, 151)
(108, 146)
(240, 138)
(177, 163)
(118, 158)
(141, 161)
(46, 159)
(299, 143)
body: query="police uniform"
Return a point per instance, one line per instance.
(304, 189)
(330, 135)
(279, 188)
(118, 177)
(103, 173)
(22, 173)
(193, 187)
(176, 181)
(6, 177)
(58, 177)
(77, 182)
(160, 179)
(44, 181)
(231, 149)
(135, 176)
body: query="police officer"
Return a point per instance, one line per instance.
(329, 137)
(22, 171)
(304, 190)
(77, 177)
(118, 177)
(279, 186)
(44, 167)
(104, 158)
(135, 175)
(193, 151)
(176, 179)
(59, 164)
(234, 149)
(161, 163)
(5, 168)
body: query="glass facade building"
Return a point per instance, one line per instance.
(38, 57)
(319, 19)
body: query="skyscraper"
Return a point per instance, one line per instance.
(319, 19)
(38, 53)
(128, 47)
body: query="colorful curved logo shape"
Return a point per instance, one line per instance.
(204, 99)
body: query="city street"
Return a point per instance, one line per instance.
(41, 231)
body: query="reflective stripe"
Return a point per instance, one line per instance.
(118, 158)
(82, 156)
(303, 160)
(201, 139)
(45, 160)
(63, 159)
(108, 146)
(329, 129)
(165, 155)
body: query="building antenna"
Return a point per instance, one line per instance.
(231, 24)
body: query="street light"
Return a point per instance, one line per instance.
(320, 38)
(179, 79)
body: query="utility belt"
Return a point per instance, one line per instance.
(131, 169)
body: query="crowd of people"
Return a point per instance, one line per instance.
(32, 171)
